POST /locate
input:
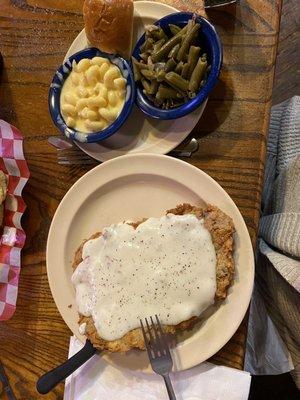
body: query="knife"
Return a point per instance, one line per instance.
(6, 386)
(48, 381)
(218, 3)
(185, 149)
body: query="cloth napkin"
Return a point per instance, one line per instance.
(12, 237)
(273, 344)
(97, 380)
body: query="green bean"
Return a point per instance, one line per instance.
(158, 45)
(197, 74)
(166, 104)
(170, 44)
(139, 64)
(147, 86)
(136, 72)
(160, 66)
(177, 81)
(160, 76)
(170, 65)
(188, 38)
(164, 51)
(190, 25)
(166, 48)
(148, 74)
(192, 59)
(150, 64)
(158, 103)
(147, 45)
(156, 32)
(170, 69)
(150, 29)
(144, 57)
(182, 31)
(174, 51)
(163, 35)
(185, 58)
(165, 92)
(174, 29)
(179, 67)
(171, 103)
(185, 71)
(153, 86)
(159, 34)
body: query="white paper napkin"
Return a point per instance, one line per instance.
(97, 380)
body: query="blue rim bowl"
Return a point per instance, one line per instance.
(55, 90)
(209, 41)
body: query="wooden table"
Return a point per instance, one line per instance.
(287, 73)
(34, 36)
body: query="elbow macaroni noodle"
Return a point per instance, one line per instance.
(93, 95)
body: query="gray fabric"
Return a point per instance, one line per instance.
(264, 344)
(282, 304)
(280, 222)
(278, 257)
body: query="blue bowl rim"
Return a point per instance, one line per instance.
(148, 108)
(55, 90)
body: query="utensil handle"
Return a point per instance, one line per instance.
(219, 3)
(52, 378)
(180, 153)
(9, 393)
(169, 387)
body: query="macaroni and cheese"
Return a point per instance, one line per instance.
(93, 95)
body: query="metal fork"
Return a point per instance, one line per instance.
(74, 156)
(158, 352)
(69, 154)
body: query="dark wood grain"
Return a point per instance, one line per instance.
(34, 36)
(287, 72)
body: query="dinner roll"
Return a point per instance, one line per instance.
(109, 24)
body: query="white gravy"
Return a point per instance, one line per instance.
(166, 266)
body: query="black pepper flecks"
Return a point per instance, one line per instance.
(177, 278)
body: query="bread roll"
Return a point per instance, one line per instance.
(109, 25)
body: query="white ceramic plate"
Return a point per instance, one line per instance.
(130, 188)
(140, 134)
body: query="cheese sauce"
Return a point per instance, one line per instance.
(166, 266)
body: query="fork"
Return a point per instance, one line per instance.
(74, 156)
(68, 153)
(158, 352)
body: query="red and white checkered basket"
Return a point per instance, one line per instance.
(13, 164)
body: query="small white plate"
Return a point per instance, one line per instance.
(129, 188)
(140, 134)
